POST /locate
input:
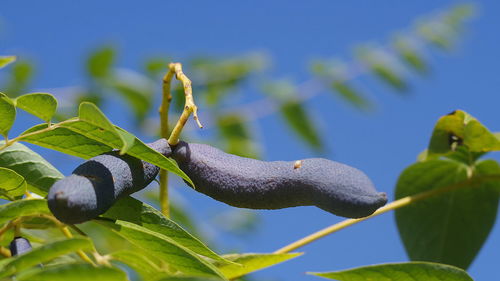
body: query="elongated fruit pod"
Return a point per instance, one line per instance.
(19, 246)
(248, 183)
(96, 184)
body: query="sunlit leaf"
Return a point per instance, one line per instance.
(42, 105)
(64, 140)
(7, 114)
(166, 249)
(452, 227)
(45, 253)
(74, 272)
(247, 263)
(91, 114)
(139, 263)
(21, 208)
(12, 184)
(6, 60)
(409, 271)
(459, 128)
(135, 211)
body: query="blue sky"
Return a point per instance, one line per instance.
(58, 34)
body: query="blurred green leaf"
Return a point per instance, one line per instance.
(64, 140)
(448, 228)
(42, 105)
(21, 208)
(409, 55)
(408, 271)
(6, 60)
(166, 249)
(389, 76)
(74, 272)
(7, 114)
(37, 223)
(297, 117)
(436, 33)
(294, 112)
(133, 210)
(233, 129)
(351, 95)
(12, 184)
(20, 75)
(100, 62)
(44, 253)
(382, 66)
(137, 92)
(247, 263)
(157, 66)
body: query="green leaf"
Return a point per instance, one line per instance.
(298, 118)
(137, 212)
(85, 140)
(138, 262)
(382, 66)
(22, 208)
(389, 76)
(74, 272)
(12, 184)
(166, 249)
(7, 114)
(21, 74)
(351, 95)
(409, 271)
(64, 140)
(459, 128)
(251, 262)
(100, 61)
(91, 114)
(6, 60)
(136, 90)
(234, 130)
(408, 53)
(45, 253)
(42, 105)
(449, 228)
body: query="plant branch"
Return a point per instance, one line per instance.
(189, 106)
(164, 131)
(65, 230)
(389, 207)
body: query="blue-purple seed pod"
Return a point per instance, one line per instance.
(19, 246)
(248, 183)
(98, 183)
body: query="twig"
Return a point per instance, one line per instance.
(391, 206)
(189, 106)
(173, 137)
(80, 253)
